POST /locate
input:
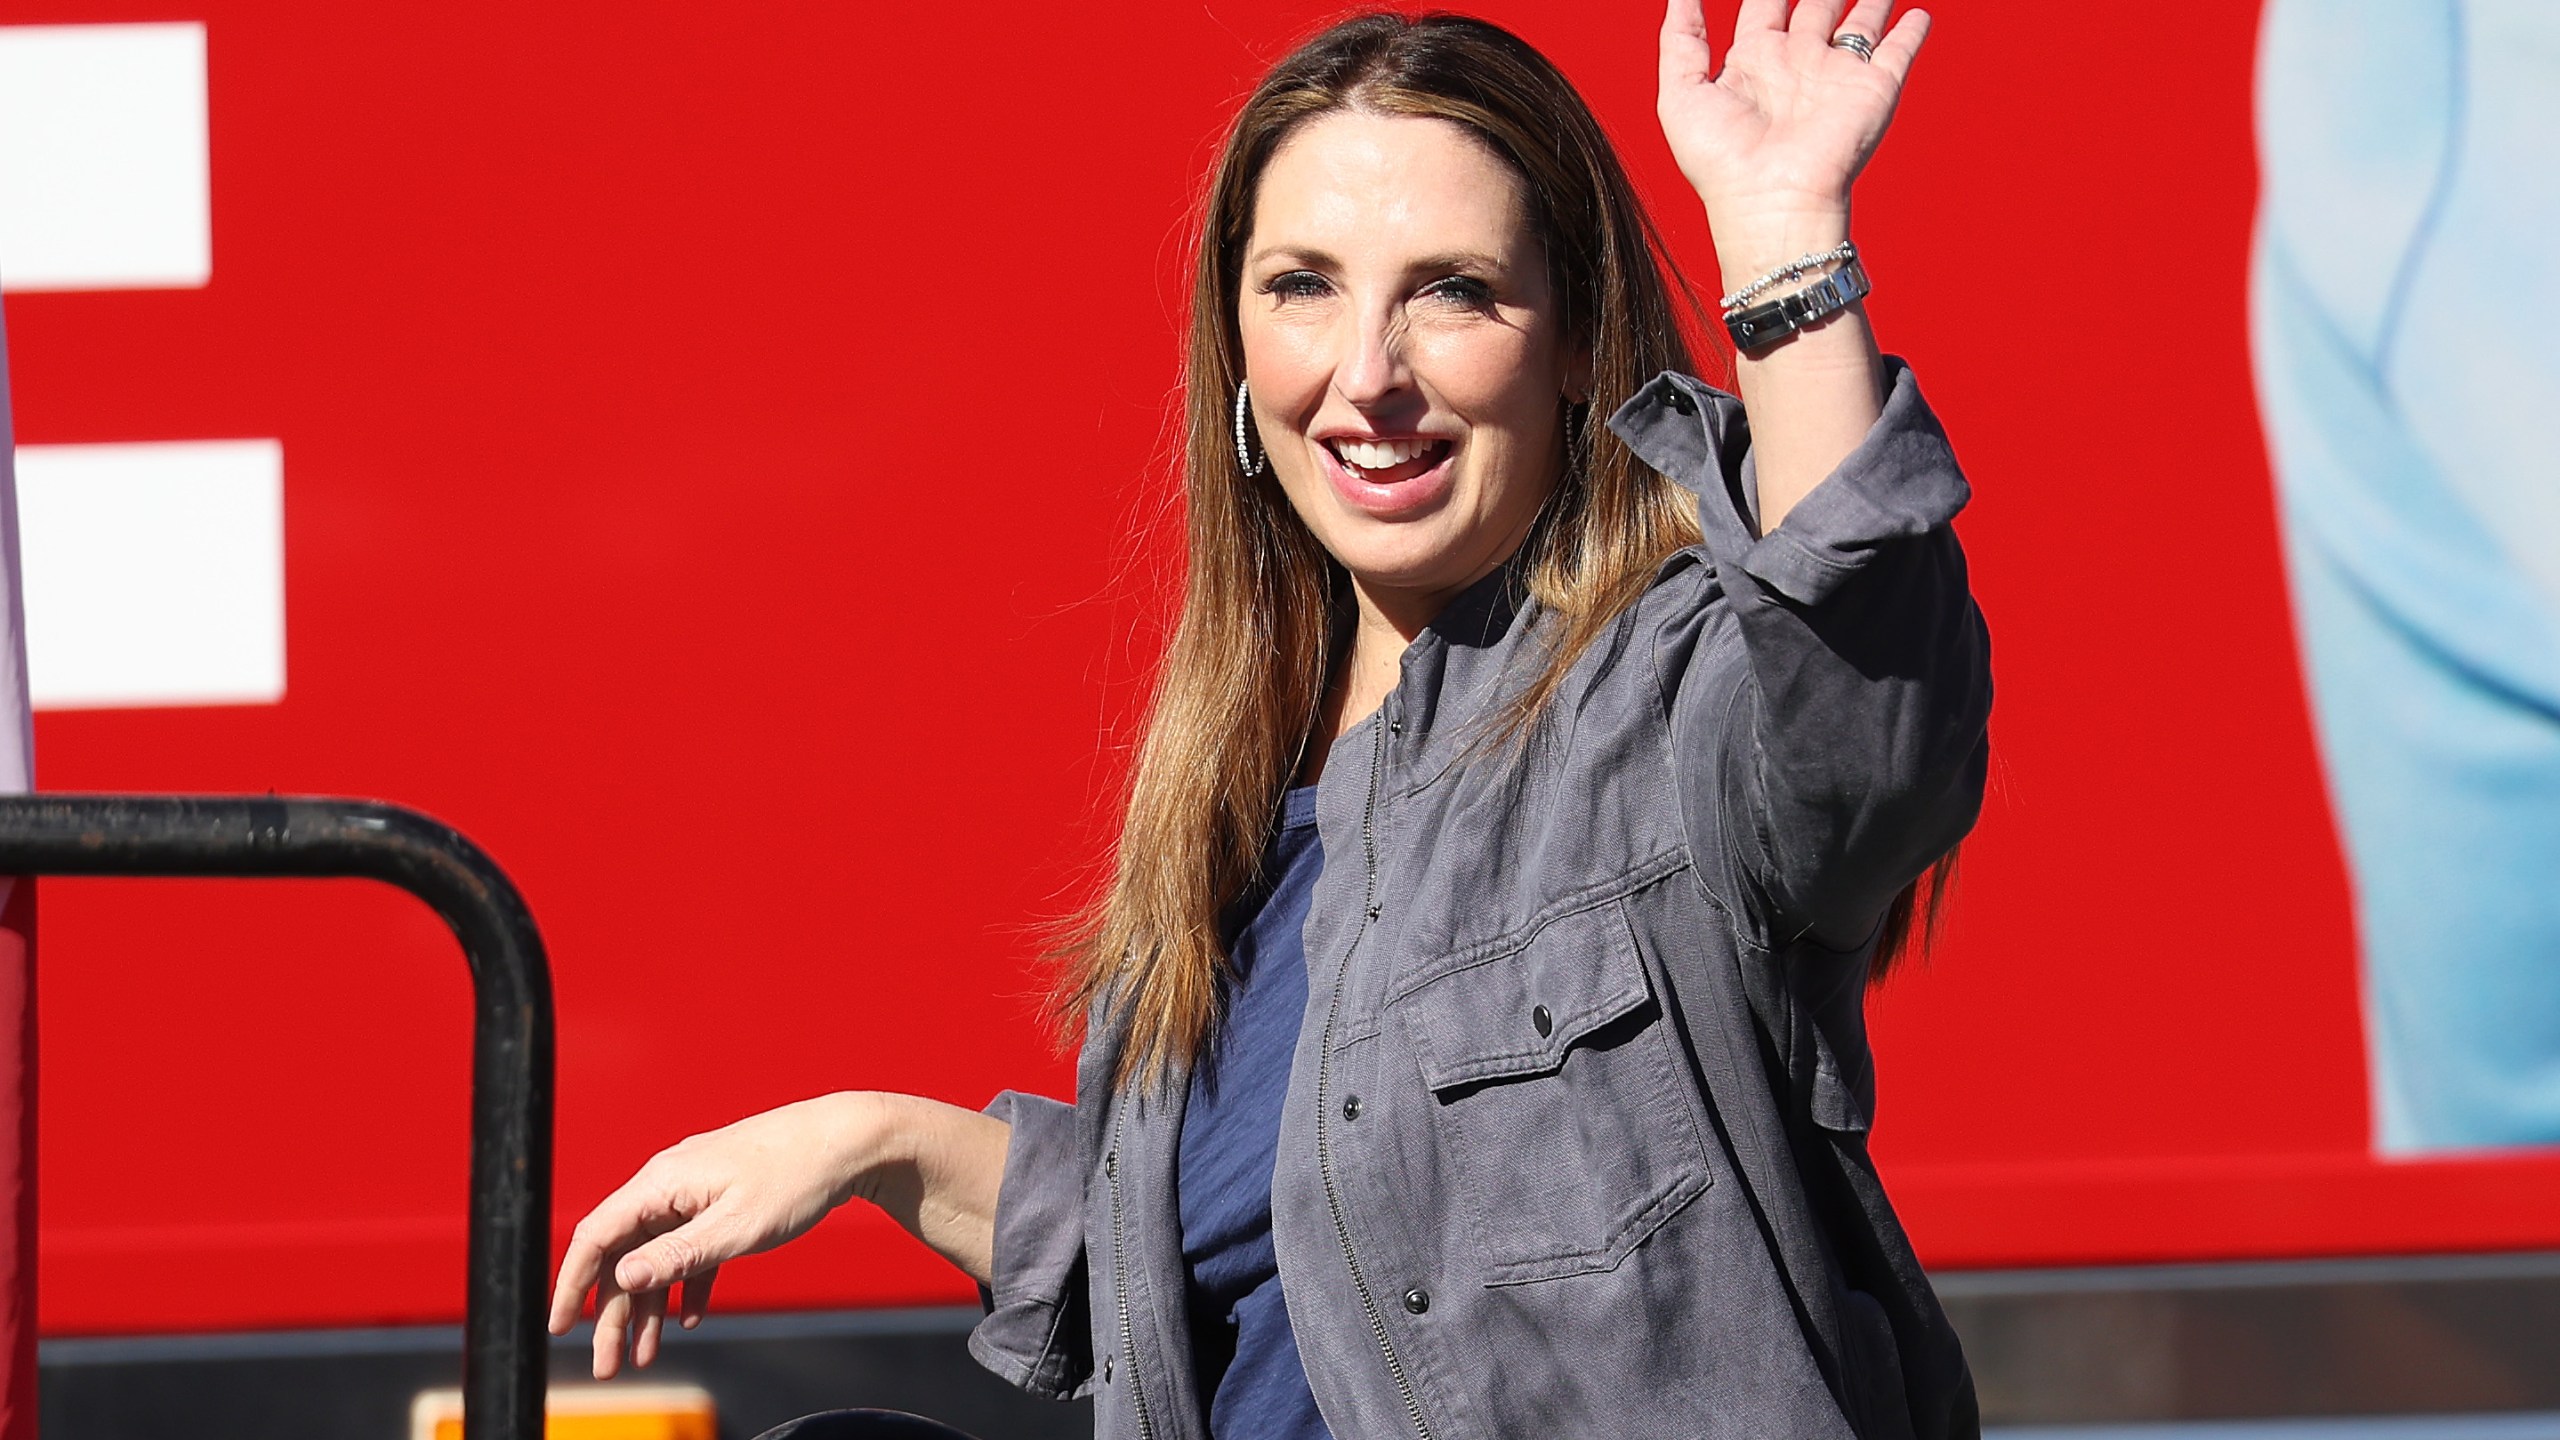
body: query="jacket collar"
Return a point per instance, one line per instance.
(1476, 653)
(1456, 673)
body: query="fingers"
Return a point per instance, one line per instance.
(1686, 58)
(1760, 15)
(1901, 44)
(1818, 18)
(671, 1257)
(697, 1297)
(650, 1308)
(612, 1252)
(613, 1329)
(632, 1323)
(578, 1271)
(621, 1220)
(1866, 17)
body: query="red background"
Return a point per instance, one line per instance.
(723, 450)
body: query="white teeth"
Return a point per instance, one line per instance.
(1381, 454)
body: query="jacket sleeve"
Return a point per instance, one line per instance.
(1830, 716)
(1035, 1334)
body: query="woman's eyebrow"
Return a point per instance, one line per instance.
(1467, 260)
(1299, 254)
(1459, 260)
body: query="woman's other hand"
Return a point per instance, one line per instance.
(1773, 140)
(750, 1186)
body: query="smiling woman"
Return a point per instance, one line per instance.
(1413, 364)
(1473, 1039)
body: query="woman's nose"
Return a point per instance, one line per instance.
(1372, 365)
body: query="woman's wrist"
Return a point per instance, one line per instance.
(885, 1145)
(1751, 242)
(865, 1141)
(936, 1169)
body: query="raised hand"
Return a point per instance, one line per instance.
(1772, 141)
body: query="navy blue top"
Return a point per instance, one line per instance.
(1240, 1338)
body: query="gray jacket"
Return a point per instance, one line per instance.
(1575, 1137)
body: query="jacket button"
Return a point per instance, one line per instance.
(1350, 1107)
(1417, 1300)
(1679, 400)
(1545, 1022)
(1106, 1369)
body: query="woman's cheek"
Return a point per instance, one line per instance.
(1284, 362)
(1496, 377)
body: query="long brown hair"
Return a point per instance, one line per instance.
(1263, 602)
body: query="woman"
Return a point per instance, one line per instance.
(1524, 804)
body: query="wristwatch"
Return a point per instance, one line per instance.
(1760, 326)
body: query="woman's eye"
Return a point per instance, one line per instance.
(1297, 285)
(1461, 290)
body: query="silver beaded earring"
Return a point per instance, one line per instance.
(1252, 463)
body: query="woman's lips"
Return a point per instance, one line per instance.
(1397, 492)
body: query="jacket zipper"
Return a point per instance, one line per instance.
(1120, 1289)
(1324, 1086)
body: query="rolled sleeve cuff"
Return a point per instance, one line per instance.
(1900, 483)
(1034, 1333)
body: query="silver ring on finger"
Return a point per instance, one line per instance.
(1856, 44)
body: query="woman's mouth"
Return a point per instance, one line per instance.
(1389, 478)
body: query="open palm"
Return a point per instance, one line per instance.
(1790, 119)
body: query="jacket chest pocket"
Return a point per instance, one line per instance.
(1560, 1099)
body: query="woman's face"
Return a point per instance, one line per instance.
(1402, 342)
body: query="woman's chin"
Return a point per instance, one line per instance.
(1429, 575)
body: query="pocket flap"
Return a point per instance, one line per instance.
(1518, 1011)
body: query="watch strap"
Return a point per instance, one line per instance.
(1760, 326)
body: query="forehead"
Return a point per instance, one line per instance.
(1357, 180)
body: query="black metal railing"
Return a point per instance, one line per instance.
(504, 1344)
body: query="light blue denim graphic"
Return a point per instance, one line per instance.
(2405, 316)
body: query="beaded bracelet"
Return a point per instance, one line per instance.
(1793, 268)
